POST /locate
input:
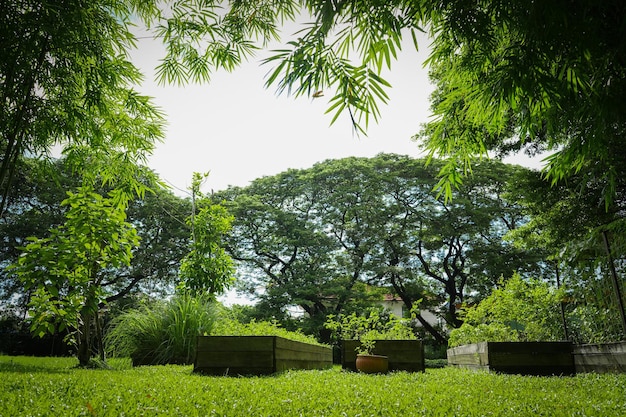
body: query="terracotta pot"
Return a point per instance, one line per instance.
(372, 364)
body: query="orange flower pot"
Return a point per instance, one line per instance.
(372, 364)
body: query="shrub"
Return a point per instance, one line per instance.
(369, 328)
(162, 332)
(229, 326)
(521, 310)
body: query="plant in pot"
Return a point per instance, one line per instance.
(362, 332)
(366, 361)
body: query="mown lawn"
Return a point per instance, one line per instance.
(53, 387)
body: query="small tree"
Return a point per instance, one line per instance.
(66, 272)
(207, 267)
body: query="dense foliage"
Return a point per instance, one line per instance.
(368, 327)
(228, 325)
(207, 267)
(165, 331)
(67, 80)
(585, 244)
(320, 238)
(520, 310)
(540, 76)
(44, 386)
(509, 76)
(158, 217)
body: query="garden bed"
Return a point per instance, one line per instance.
(404, 355)
(600, 358)
(257, 355)
(526, 358)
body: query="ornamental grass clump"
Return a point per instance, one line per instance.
(162, 332)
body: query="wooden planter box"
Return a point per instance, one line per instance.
(526, 358)
(404, 355)
(600, 358)
(257, 355)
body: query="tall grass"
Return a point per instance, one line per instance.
(162, 332)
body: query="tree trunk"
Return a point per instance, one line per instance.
(430, 329)
(84, 340)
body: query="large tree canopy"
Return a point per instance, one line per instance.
(315, 237)
(66, 80)
(534, 75)
(541, 75)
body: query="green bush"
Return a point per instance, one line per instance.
(589, 323)
(368, 328)
(371, 325)
(227, 325)
(521, 310)
(163, 331)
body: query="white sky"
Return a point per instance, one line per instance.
(238, 130)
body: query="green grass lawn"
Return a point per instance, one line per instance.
(53, 387)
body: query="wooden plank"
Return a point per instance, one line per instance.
(530, 358)
(234, 343)
(282, 354)
(474, 355)
(236, 359)
(292, 354)
(244, 355)
(600, 358)
(235, 355)
(530, 347)
(287, 344)
(284, 365)
(471, 366)
(476, 359)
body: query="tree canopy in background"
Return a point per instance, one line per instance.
(510, 76)
(544, 76)
(317, 238)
